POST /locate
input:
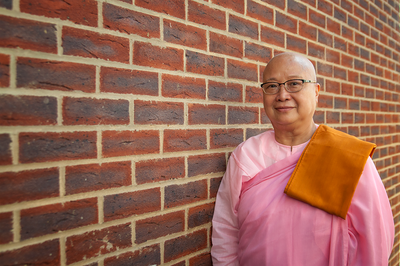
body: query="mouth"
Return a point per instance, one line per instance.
(284, 108)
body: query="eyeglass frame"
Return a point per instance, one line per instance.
(284, 83)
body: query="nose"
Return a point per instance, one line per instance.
(283, 94)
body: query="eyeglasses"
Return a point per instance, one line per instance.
(292, 85)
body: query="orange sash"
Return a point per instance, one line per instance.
(328, 170)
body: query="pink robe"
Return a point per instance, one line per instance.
(255, 223)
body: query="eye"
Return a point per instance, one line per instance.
(294, 83)
(271, 86)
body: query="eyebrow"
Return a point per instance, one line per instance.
(289, 78)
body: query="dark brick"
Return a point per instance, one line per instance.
(307, 31)
(316, 51)
(94, 243)
(182, 34)
(242, 70)
(340, 103)
(272, 36)
(317, 18)
(204, 64)
(206, 164)
(145, 256)
(278, 3)
(347, 118)
(88, 111)
(183, 87)
(325, 6)
(325, 38)
(285, 22)
(90, 44)
(235, 5)
(78, 11)
(243, 27)
(359, 118)
(184, 140)
(92, 177)
(4, 70)
(257, 52)
(159, 170)
(174, 8)
(214, 185)
(347, 33)
(127, 204)
(55, 75)
(52, 146)
(6, 4)
(297, 9)
(155, 227)
(176, 195)
(206, 114)
(202, 14)
(226, 45)
(6, 228)
(117, 80)
(125, 143)
(228, 92)
(224, 138)
(260, 12)
(341, 44)
(27, 34)
(45, 253)
(332, 86)
(157, 113)
(200, 215)
(324, 69)
(254, 94)
(28, 185)
(184, 245)
(54, 218)
(243, 115)
(130, 22)
(296, 44)
(319, 117)
(201, 260)
(332, 56)
(5, 149)
(251, 132)
(325, 101)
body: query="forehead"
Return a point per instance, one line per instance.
(288, 66)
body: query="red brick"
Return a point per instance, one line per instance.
(157, 113)
(94, 243)
(145, 256)
(354, 131)
(243, 27)
(332, 117)
(4, 70)
(258, 53)
(324, 69)
(325, 101)
(354, 104)
(54, 218)
(365, 106)
(319, 117)
(184, 245)
(45, 253)
(332, 56)
(272, 36)
(130, 22)
(5, 149)
(359, 118)
(243, 115)
(354, 50)
(297, 9)
(159, 170)
(124, 143)
(184, 140)
(55, 75)
(6, 4)
(155, 227)
(341, 44)
(88, 111)
(206, 164)
(353, 76)
(235, 5)
(204, 15)
(52, 146)
(242, 70)
(307, 31)
(254, 94)
(317, 18)
(27, 34)
(174, 8)
(325, 6)
(347, 118)
(223, 138)
(316, 51)
(6, 227)
(200, 215)
(214, 185)
(78, 11)
(340, 73)
(260, 12)
(125, 81)
(285, 22)
(92, 177)
(28, 185)
(183, 87)
(296, 44)
(201, 260)
(182, 34)
(127, 204)
(325, 38)
(204, 64)
(206, 114)
(230, 92)
(145, 54)
(340, 103)
(332, 86)
(226, 45)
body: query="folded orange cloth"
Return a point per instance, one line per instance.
(328, 170)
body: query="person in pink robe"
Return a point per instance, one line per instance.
(256, 223)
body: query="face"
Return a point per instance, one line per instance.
(291, 109)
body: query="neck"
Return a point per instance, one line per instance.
(294, 136)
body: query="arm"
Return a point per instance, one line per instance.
(370, 221)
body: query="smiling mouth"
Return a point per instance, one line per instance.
(284, 108)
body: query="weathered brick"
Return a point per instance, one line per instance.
(214, 185)
(285, 22)
(307, 31)
(117, 80)
(243, 27)
(201, 260)
(324, 69)
(186, 35)
(325, 38)
(325, 6)
(206, 164)
(162, 225)
(27, 34)
(28, 185)
(333, 26)
(130, 22)
(226, 45)
(257, 52)
(332, 86)
(204, 15)
(124, 143)
(88, 111)
(347, 89)
(5, 149)
(319, 117)
(146, 54)
(206, 114)
(223, 138)
(183, 87)
(45, 253)
(254, 94)
(6, 4)
(243, 115)
(55, 75)
(204, 64)
(158, 170)
(90, 44)
(218, 91)
(184, 140)
(174, 8)
(176, 195)
(235, 5)
(260, 12)
(4, 70)
(278, 3)
(347, 118)
(340, 103)
(94, 243)
(200, 215)
(340, 73)
(127, 204)
(341, 44)
(53, 218)
(6, 227)
(184, 245)
(251, 132)
(359, 118)
(296, 44)
(325, 101)
(52, 146)
(92, 177)
(242, 70)
(272, 36)
(297, 9)
(149, 112)
(316, 51)
(145, 256)
(78, 11)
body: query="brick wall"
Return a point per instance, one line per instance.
(117, 117)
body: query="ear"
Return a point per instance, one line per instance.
(317, 89)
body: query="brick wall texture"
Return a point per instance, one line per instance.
(117, 117)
